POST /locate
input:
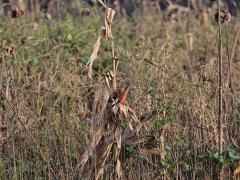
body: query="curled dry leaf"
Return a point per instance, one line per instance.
(8, 50)
(108, 78)
(115, 109)
(102, 3)
(225, 16)
(123, 110)
(155, 151)
(109, 15)
(108, 22)
(133, 115)
(107, 117)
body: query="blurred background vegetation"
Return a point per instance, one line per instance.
(167, 52)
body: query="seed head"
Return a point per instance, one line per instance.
(225, 16)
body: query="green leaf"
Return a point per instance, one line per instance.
(187, 167)
(218, 157)
(232, 155)
(69, 37)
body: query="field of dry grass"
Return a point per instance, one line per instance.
(66, 113)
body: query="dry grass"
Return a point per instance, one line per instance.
(58, 123)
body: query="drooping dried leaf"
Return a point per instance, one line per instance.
(93, 56)
(135, 140)
(123, 110)
(102, 154)
(106, 152)
(108, 21)
(100, 174)
(133, 115)
(98, 122)
(110, 15)
(115, 109)
(118, 135)
(91, 146)
(149, 151)
(130, 125)
(116, 152)
(118, 168)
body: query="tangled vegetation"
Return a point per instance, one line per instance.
(101, 96)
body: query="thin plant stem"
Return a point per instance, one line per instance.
(44, 158)
(220, 88)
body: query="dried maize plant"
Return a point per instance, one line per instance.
(110, 117)
(114, 123)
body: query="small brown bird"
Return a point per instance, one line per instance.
(225, 16)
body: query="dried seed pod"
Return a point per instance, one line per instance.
(16, 13)
(108, 78)
(44, 8)
(225, 16)
(189, 41)
(9, 50)
(22, 42)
